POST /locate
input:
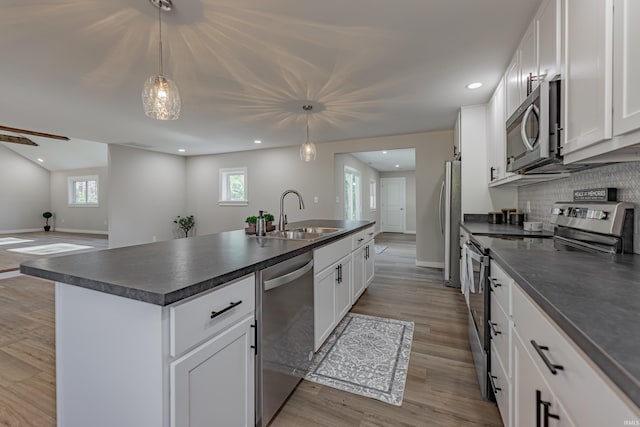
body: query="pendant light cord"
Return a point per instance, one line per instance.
(160, 27)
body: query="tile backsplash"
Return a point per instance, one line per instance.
(623, 176)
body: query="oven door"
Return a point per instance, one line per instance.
(528, 131)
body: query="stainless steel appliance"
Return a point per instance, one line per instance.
(596, 227)
(478, 304)
(450, 212)
(285, 332)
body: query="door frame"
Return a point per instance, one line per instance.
(383, 201)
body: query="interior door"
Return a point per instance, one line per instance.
(392, 204)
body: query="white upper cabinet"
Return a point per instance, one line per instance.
(496, 135)
(549, 40)
(529, 61)
(588, 72)
(626, 84)
(512, 85)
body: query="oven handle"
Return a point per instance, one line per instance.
(475, 253)
(523, 126)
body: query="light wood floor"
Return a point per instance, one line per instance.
(441, 388)
(12, 260)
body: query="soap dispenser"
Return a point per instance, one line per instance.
(261, 230)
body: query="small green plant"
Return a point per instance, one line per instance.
(46, 215)
(251, 220)
(185, 223)
(268, 217)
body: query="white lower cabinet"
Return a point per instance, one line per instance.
(342, 270)
(501, 386)
(214, 384)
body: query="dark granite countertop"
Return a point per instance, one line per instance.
(162, 273)
(486, 229)
(594, 299)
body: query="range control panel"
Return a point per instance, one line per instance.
(598, 217)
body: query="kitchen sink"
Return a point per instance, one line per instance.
(303, 233)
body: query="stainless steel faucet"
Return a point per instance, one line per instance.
(283, 217)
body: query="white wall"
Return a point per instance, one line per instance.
(366, 174)
(147, 192)
(89, 219)
(24, 193)
(409, 197)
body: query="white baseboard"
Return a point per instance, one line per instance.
(22, 230)
(429, 264)
(10, 274)
(409, 231)
(73, 230)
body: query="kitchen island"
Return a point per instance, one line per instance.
(137, 327)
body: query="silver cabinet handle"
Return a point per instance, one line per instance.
(287, 278)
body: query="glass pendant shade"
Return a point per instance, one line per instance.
(308, 151)
(160, 98)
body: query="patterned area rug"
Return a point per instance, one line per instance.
(379, 249)
(13, 240)
(365, 355)
(55, 248)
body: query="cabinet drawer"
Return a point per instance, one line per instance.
(326, 255)
(501, 386)
(500, 333)
(587, 395)
(369, 233)
(500, 284)
(191, 322)
(362, 236)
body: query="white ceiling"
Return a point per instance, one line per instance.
(389, 160)
(62, 155)
(246, 67)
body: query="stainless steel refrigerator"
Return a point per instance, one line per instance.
(450, 215)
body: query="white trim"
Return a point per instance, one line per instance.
(10, 274)
(222, 172)
(74, 230)
(233, 203)
(409, 231)
(22, 230)
(430, 264)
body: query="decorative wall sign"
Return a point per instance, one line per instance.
(596, 194)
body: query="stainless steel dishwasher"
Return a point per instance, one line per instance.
(285, 332)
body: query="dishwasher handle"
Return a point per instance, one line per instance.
(287, 278)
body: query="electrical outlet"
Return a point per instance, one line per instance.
(338, 199)
(153, 238)
(315, 199)
(62, 220)
(528, 206)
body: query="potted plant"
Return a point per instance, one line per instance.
(269, 218)
(46, 215)
(185, 223)
(251, 224)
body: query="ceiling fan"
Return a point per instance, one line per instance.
(24, 140)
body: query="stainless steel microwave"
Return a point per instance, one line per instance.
(533, 132)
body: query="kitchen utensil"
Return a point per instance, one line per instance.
(494, 217)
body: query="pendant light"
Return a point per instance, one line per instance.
(160, 96)
(308, 149)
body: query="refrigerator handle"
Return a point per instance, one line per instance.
(440, 213)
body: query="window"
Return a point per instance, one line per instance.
(351, 194)
(372, 194)
(83, 190)
(233, 186)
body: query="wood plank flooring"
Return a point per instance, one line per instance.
(441, 388)
(11, 260)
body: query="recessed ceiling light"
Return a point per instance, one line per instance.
(384, 152)
(474, 85)
(257, 141)
(397, 166)
(182, 150)
(40, 160)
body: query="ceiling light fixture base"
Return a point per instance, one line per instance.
(165, 5)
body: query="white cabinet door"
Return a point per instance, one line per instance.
(324, 305)
(512, 85)
(369, 266)
(214, 384)
(529, 61)
(496, 135)
(491, 140)
(358, 262)
(588, 69)
(626, 110)
(343, 288)
(549, 39)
